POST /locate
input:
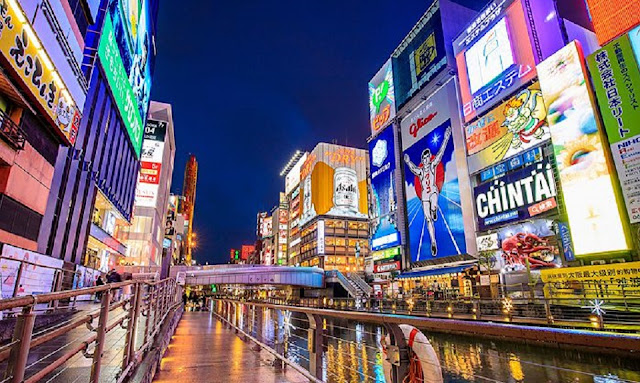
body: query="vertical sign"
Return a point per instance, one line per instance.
(616, 80)
(587, 185)
(382, 100)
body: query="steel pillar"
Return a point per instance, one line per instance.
(315, 342)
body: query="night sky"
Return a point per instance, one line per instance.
(252, 81)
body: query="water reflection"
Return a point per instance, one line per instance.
(353, 354)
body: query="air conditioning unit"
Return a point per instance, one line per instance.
(598, 262)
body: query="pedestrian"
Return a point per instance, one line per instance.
(114, 277)
(99, 282)
(184, 299)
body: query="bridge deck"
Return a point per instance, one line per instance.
(203, 350)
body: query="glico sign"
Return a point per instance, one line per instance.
(519, 195)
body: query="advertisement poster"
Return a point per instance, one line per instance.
(384, 225)
(587, 185)
(518, 195)
(334, 182)
(494, 57)
(616, 80)
(150, 163)
(531, 241)
(511, 128)
(382, 99)
(292, 179)
(34, 279)
(421, 56)
(434, 213)
(33, 66)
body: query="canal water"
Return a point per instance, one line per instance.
(353, 354)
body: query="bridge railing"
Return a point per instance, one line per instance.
(589, 309)
(112, 332)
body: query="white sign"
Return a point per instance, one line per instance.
(487, 242)
(293, 177)
(625, 156)
(320, 237)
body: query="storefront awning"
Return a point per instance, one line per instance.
(431, 272)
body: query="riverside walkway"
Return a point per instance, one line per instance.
(203, 350)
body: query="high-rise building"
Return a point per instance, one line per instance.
(189, 192)
(42, 95)
(93, 188)
(145, 237)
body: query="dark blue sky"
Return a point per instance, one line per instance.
(252, 81)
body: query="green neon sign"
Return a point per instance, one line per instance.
(120, 86)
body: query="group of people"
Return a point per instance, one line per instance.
(114, 277)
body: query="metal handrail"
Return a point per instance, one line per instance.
(11, 132)
(153, 300)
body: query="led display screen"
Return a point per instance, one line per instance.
(489, 57)
(384, 225)
(421, 56)
(611, 18)
(587, 185)
(494, 57)
(151, 163)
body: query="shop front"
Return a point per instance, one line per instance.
(104, 251)
(450, 282)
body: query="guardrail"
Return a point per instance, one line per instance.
(614, 314)
(120, 331)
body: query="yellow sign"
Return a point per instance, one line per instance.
(600, 281)
(425, 54)
(22, 49)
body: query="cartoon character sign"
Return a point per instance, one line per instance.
(433, 196)
(533, 241)
(514, 126)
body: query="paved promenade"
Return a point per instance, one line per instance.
(202, 350)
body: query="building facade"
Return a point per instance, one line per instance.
(189, 193)
(42, 94)
(144, 239)
(93, 188)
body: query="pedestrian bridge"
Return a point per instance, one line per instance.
(311, 277)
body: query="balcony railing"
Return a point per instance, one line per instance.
(11, 132)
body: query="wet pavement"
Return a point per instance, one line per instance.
(202, 350)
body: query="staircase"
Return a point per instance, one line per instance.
(352, 282)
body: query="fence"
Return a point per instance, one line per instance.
(117, 330)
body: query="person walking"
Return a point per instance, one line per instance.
(114, 277)
(99, 282)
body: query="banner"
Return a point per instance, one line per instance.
(519, 195)
(384, 225)
(382, 100)
(511, 128)
(616, 80)
(598, 281)
(587, 185)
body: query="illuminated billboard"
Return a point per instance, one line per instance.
(432, 194)
(521, 194)
(127, 53)
(292, 179)
(150, 163)
(511, 128)
(420, 56)
(611, 18)
(382, 100)
(616, 80)
(32, 64)
(384, 224)
(494, 57)
(247, 250)
(587, 185)
(334, 182)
